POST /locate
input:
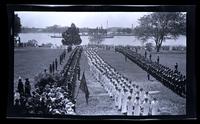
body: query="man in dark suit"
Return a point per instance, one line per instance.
(20, 87)
(27, 88)
(56, 63)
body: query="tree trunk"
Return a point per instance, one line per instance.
(158, 46)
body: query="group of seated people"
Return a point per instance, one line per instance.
(128, 97)
(51, 99)
(170, 78)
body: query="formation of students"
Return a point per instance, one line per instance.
(128, 97)
(173, 79)
(50, 96)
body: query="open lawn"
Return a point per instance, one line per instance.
(28, 62)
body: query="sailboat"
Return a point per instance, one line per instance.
(108, 35)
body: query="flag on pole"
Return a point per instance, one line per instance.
(84, 88)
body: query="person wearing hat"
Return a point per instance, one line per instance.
(124, 102)
(150, 57)
(137, 106)
(17, 107)
(146, 106)
(53, 67)
(136, 88)
(176, 67)
(146, 95)
(120, 99)
(141, 95)
(130, 105)
(116, 96)
(50, 68)
(56, 64)
(27, 88)
(148, 76)
(132, 94)
(20, 87)
(145, 54)
(154, 107)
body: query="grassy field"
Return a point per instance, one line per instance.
(28, 62)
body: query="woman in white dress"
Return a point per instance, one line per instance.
(124, 102)
(154, 107)
(145, 107)
(120, 99)
(137, 106)
(129, 106)
(142, 92)
(116, 96)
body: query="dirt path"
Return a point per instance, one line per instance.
(99, 102)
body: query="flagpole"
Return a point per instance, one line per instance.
(77, 92)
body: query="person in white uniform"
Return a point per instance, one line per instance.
(124, 102)
(142, 92)
(116, 96)
(146, 95)
(120, 99)
(154, 107)
(146, 107)
(137, 106)
(130, 106)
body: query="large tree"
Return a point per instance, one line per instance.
(71, 36)
(17, 25)
(160, 26)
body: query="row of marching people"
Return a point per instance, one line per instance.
(173, 79)
(128, 97)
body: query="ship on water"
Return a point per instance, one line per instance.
(56, 36)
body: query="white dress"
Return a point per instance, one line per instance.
(130, 107)
(154, 108)
(124, 103)
(142, 96)
(120, 100)
(146, 108)
(136, 107)
(116, 98)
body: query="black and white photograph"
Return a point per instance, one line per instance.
(99, 63)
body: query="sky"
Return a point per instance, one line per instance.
(80, 19)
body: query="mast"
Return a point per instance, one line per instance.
(107, 24)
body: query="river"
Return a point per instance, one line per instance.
(117, 40)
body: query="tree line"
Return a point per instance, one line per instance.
(157, 26)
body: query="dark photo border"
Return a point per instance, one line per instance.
(191, 109)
